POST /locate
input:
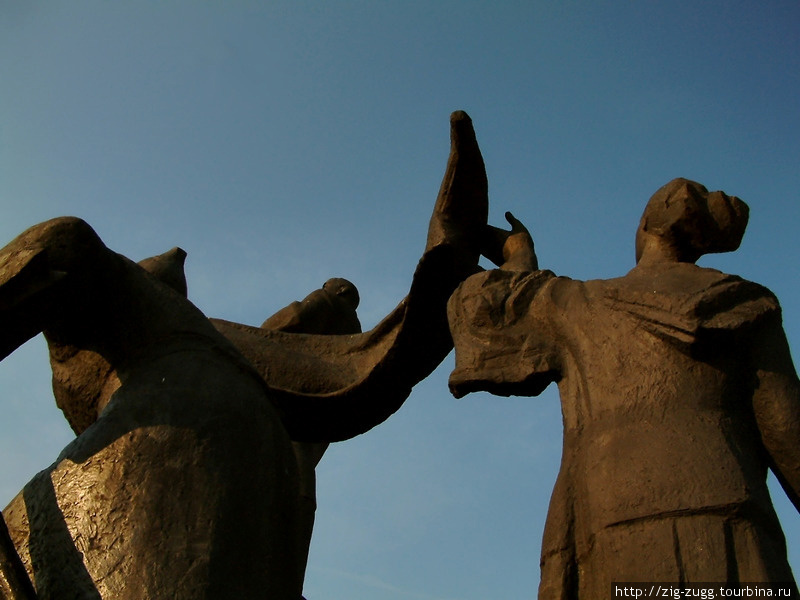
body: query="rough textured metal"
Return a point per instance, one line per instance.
(14, 581)
(182, 482)
(678, 393)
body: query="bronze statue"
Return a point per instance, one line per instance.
(678, 392)
(183, 482)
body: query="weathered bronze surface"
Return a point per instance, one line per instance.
(678, 393)
(327, 311)
(183, 482)
(192, 475)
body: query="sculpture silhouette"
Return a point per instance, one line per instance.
(182, 482)
(678, 392)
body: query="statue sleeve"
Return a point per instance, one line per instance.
(503, 334)
(776, 405)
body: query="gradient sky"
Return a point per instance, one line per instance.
(283, 143)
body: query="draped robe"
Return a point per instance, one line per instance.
(663, 472)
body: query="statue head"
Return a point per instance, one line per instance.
(683, 221)
(344, 290)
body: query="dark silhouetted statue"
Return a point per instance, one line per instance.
(678, 393)
(329, 310)
(183, 482)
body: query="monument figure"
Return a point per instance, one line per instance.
(678, 393)
(183, 482)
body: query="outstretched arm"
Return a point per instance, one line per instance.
(331, 388)
(776, 404)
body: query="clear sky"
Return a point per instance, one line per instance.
(284, 143)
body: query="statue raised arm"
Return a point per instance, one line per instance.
(182, 482)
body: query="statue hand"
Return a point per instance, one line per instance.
(510, 250)
(462, 205)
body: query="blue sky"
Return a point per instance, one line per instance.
(284, 143)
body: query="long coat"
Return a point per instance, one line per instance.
(678, 393)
